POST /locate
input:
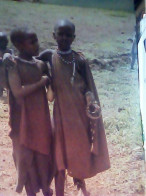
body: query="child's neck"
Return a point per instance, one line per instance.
(68, 51)
(3, 49)
(61, 49)
(25, 57)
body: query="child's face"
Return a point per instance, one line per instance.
(64, 37)
(30, 46)
(3, 43)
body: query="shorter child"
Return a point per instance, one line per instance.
(3, 50)
(29, 115)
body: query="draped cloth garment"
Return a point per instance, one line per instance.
(72, 126)
(31, 131)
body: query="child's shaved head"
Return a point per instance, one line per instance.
(3, 40)
(19, 35)
(64, 23)
(3, 35)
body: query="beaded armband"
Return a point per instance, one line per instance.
(93, 110)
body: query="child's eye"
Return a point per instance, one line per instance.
(68, 35)
(65, 34)
(60, 34)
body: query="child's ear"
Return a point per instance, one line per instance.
(54, 36)
(74, 36)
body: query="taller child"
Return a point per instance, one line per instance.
(80, 142)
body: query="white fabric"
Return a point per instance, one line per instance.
(142, 76)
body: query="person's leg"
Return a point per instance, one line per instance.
(28, 188)
(30, 194)
(45, 172)
(1, 91)
(59, 183)
(81, 185)
(48, 193)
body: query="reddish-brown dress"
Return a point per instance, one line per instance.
(72, 126)
(31, 131)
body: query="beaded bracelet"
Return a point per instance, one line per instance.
(93, 114)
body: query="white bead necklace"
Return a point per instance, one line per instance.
(65, 61)
(70, 62)
(64, 52)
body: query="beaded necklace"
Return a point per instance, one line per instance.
(69, 62)
(64, 52)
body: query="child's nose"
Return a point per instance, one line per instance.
(64, 36)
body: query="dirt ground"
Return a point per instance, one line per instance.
(117, 86)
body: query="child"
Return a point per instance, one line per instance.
(80, 142)
(3, 50)
(29, 115)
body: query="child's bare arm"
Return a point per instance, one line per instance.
(45, 55)
(89, 97)
(93, 109)
(50, 94)
(20, 91)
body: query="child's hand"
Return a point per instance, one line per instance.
(89, 98)
(50, 94)
(8, 61)
(44, 80)
(93, 110)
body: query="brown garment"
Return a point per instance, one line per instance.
(3, 71)
(31, 131)
(34, 170)
(72, 126)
